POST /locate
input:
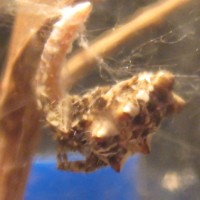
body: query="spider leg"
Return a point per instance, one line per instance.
(91, 164)
(62, 159)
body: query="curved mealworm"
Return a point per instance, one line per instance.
(49, 90)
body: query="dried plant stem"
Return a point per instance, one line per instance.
(19, 126)
(18, 129)
(80, 63)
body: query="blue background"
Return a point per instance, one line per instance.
(46, 182)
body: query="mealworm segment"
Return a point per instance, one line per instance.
(107, 124)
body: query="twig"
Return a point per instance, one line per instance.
(75, 68)
(19, 127)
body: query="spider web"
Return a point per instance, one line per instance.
(172, 45)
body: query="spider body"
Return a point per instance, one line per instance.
(109, 124)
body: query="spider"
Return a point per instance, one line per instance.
(107, 124)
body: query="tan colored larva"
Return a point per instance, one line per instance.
(49, 90)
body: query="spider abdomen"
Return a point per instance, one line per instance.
(111, 123)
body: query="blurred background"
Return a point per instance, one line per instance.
(172, 170)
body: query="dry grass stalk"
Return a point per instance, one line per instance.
(79, 64)
(18, 110)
